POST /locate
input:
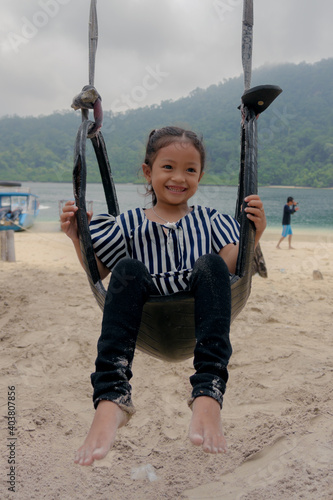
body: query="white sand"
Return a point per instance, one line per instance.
(278, 411)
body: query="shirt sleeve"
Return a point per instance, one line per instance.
(107, 239)
(225, 230)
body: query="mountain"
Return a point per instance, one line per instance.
(295, 133)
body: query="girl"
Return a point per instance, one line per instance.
(164, 249)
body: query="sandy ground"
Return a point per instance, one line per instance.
(278, 411)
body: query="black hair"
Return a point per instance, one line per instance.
(290, 198)
(163, 137)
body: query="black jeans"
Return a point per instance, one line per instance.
(130, 287)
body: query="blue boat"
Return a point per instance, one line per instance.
(18, 207)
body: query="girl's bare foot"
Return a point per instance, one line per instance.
(206, 428)
(109, 417)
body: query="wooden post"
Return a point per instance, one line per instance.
(8, 246)
(3, 245)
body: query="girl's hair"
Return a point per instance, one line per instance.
(163, 137)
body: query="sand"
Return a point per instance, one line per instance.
(277, 414)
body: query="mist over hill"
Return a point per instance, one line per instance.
(295, 133)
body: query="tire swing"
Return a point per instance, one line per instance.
(167, 326)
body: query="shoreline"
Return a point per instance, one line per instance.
(134, 183)
(300, 233)
(293, 187)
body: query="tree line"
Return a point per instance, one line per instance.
(294, 134)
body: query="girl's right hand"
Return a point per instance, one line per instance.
(68, 220)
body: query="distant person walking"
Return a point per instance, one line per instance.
(289, 209)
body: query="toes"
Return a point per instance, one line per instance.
(87, 460)
(209, 446)
(196, 439)
(83, 457)
(215, 445)
(78, 457)
(99, 453)
(223, 448)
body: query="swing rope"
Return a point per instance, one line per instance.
(167, 329)
(93, 40)
(247, 40)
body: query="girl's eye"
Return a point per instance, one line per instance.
(191, 170)
(167, 167)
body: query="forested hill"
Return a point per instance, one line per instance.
(295, 133)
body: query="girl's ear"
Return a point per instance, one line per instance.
(146, 172)
(201, 176)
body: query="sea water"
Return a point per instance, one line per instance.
(315, 205)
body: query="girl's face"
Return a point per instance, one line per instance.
(175, 173)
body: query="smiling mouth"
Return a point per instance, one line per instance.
(176, 189)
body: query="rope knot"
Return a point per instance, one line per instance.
(87, 99)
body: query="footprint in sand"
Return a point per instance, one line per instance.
(311, 451)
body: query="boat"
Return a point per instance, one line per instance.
(18, 207)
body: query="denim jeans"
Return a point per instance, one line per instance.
(129, 288)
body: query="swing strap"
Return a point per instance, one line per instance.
(247, 39)
(93, 40)
(88, 99)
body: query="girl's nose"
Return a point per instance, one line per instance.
(178, 176)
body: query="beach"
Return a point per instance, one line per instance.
(277, 414)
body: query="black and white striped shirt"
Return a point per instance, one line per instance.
(169, 256)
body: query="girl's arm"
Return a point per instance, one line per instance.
(69, 227)
(255, 212)
(229, 254)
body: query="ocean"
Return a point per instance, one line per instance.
(315, 205)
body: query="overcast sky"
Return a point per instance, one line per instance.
(148, 50)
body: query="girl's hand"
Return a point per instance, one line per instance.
(255, 212)
(68, 220)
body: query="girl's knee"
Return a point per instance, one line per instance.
(210, 272)
(126, 274)
(211, 264)
(130, 267)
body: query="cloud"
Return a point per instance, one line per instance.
(192, 43)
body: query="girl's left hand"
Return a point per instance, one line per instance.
(255, 212)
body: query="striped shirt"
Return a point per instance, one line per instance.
(168, 255)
